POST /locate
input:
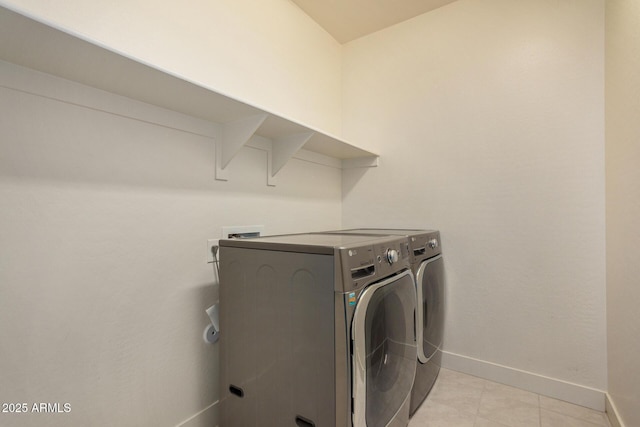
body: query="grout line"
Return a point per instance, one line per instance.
(539, 411)
(484, 387)
(539, 399)
(577, 418)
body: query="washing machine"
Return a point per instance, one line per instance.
(425, 253)
(316, 330)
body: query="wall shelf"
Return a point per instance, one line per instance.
(32, 44)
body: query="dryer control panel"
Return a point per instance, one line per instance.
(424, 245)
(366, 264)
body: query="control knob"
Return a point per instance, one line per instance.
(433, 243)
(391, 255)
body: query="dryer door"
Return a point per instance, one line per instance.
(430, 314)
(384, 350)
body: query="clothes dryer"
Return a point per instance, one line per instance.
(428, 267)
(316, 330)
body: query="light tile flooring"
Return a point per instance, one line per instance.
(459, 400)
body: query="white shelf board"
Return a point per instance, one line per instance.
(32, 44)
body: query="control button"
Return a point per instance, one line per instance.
(392, 256)
(433, 243)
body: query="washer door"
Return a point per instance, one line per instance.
(430, 313)
(384, 350)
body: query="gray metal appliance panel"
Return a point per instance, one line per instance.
(418, 240)
(431, 301)
(426, 375)
(288, 295)
(354, 254)
(388, 231)
(430, 282)
(320, 243)
(432, 293)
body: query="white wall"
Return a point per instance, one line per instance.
(488, 116)
(623, 205)
(267, 53)
(106, 206)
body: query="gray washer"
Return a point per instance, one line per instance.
(425, 251)
(316, 330)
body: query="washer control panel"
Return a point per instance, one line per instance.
(391, 255)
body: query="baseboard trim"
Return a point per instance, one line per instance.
(612, 412)
(551, 387)
(206, 418)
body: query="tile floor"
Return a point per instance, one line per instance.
(459, 400)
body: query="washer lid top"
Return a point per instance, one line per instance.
(386, 231)
(318, 243)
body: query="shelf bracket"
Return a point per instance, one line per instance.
(234, 136)
(282, 149)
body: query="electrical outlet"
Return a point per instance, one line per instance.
(211, 245)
